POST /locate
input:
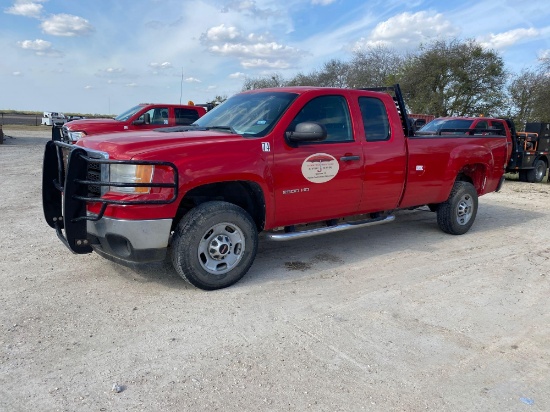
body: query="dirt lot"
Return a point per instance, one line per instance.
(398, 317)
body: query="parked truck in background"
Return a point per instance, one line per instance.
(51, 118)
(419, 120)
(292, 162)
(530, 157)
(141, 117)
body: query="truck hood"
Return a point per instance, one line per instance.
(128, 145)
(93, 124)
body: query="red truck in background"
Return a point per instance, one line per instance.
(141, 117)
(292, 162)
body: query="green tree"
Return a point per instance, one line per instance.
(454, 78)
(522, 93)
(272, 80)
(374, 67)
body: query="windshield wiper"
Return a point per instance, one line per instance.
(222, 128)
(179, 128)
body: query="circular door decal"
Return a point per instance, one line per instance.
(320, 167)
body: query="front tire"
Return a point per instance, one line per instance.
(457, 214)
(214, 245)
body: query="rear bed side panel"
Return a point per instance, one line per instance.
(435, 163)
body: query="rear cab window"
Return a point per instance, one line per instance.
(375, 119)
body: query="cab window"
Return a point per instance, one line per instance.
(158, 115)
(185, 116)
(481, 127)
(375, 119)
(330, 111)
(498, 127)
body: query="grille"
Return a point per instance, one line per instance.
(94, 170)
(65, 133)
(94, 174)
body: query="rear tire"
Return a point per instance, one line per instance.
(457, 214)
(539, 171)
(523, 175)
(214, 245)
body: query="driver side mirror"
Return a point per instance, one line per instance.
(146, 120)
(307, 132)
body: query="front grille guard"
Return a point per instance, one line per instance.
(65, 192)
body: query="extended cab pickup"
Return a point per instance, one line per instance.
(141, 117)
(291, 162)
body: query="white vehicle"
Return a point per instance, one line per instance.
(51, 118)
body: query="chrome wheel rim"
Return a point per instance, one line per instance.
(464, 209)
(539, 171)
(221, 248)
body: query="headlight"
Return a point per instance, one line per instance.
(74, 136)
(125, 173)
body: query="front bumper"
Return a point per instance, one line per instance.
(72, 177)
(130, 241)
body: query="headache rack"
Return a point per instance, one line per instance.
(73, 176)
(395, 92)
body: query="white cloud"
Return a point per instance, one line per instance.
(263, 63)
(66, 25)
(266, 50)
(221, 34)
(192, 80)
(409, 30)
(37, 45)
(40, 47)
(237, 75)
(88, 87)
(509, 38)
(161, 66)
(249, 8)
(252, 50)
(131, 85)
(26, 9)
(17, 74)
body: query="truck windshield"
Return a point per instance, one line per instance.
(128, 113)
(250, 114)
(435, 125)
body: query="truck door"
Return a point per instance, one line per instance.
(157, 116)
(385, 157)
(320, 180)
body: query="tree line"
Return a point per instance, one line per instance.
(442, 78)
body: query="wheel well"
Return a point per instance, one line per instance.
(474, 174)
(245, 194)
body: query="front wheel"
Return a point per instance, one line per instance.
(214, 245)
(457, 214)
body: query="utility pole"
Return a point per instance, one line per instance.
(181, 84)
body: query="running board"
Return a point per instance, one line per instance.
(329, 229)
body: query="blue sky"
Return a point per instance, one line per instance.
(104, 56)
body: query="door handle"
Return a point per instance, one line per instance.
(349, 158)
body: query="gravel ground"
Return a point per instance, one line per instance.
(398, 317)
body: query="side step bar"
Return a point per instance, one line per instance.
(329, 229)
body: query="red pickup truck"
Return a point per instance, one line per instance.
(291, 162)
(141, 117)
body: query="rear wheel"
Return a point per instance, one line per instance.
(523, 175)
(457, 214)
(214, 245)
(539, 171)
